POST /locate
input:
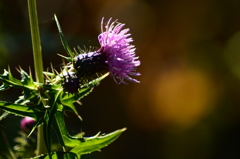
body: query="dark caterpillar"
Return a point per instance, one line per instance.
(84, 67)
(89, 64)
(70, 82)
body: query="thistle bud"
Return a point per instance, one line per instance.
(27, 124)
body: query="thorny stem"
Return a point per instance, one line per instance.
(38, 64)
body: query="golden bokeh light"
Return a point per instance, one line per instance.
(179, 96)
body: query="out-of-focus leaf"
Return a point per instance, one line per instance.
(25, 145)
(4, 87)
(4, 115)
(58, 155)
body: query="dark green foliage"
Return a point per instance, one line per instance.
(46, 103)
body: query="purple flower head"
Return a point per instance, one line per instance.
(116, 55)
(27, 123)
(115, 45)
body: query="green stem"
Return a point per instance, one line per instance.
(38, 64)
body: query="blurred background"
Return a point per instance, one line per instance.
(188, 102)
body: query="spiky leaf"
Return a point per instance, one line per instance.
(96, 142)
(9, 81)
(82, 145)
(63, 40)
(68, 100)
(22, 110)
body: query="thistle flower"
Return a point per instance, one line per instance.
(116, 55)
(120, 54)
